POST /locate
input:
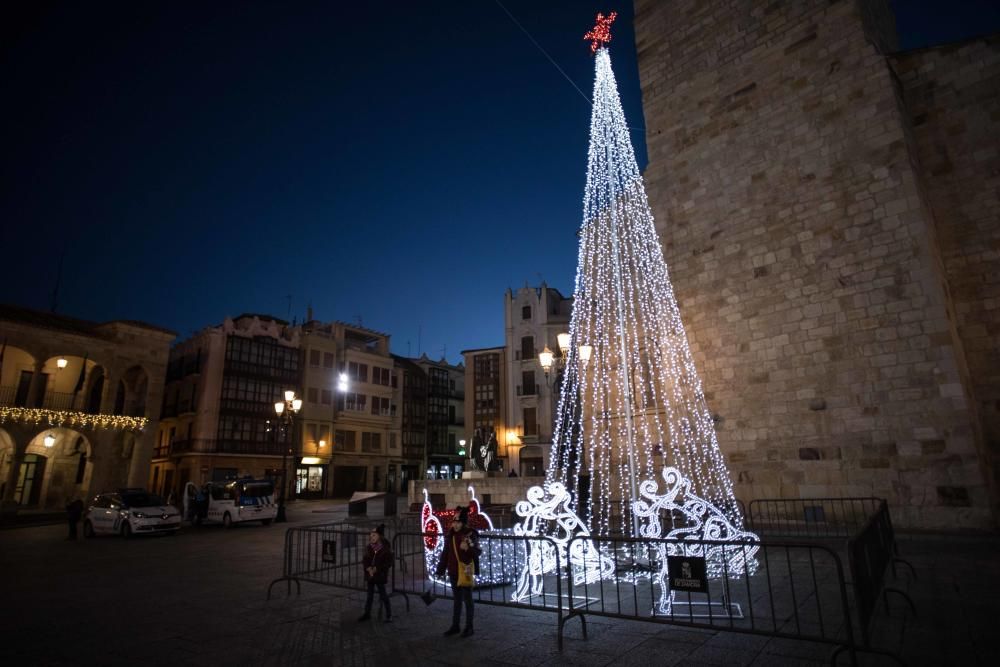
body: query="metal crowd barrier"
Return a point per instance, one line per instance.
(325, 555)
(810, 518)
(501, 571)
(872, 553)
(797, 591)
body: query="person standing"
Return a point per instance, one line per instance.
(74, 510)
(460, 548)
(377, 563)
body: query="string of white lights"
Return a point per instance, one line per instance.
(637, 406)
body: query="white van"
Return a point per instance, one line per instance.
(232, 501)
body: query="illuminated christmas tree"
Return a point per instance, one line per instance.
(633, 437)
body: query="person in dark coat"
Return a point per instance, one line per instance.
(461, 545)
(377, 563)
(74, 510)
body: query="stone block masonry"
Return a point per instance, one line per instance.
(844, 345)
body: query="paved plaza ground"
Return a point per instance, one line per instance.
(199, 598)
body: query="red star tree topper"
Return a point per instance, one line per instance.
(600, 34)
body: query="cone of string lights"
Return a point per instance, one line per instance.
(632, 419)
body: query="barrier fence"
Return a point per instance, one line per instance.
(795, 590)
(810, 518)
(872, 553)
(501, 571)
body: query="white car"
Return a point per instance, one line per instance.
(130, 512)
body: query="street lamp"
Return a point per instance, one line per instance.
(286, 411)
(61, 363)
(548, 359)
(49, 440)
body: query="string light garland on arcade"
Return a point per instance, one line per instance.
(71, 419)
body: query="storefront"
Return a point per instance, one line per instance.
(311, 477)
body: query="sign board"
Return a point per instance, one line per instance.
(687, 574)
(329, 551)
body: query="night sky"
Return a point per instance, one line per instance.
(402, 167)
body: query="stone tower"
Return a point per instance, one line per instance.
(808, 253)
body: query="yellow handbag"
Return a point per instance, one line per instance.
(466, 571)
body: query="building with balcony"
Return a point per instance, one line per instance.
(445, 418)
(79, 405)
(366, 452)
(410, 418)
(486, 407)
(533, 317)
(218, 416)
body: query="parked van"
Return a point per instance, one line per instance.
(231, 501)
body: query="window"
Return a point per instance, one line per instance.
(525, 312)
(311, 433)
(451, 442)
(451, 414)
(530, 424)
(357, 372)
(371, 442)
(345, 441)
(326, 397)
(528, 347)
(395, 381)
(311, 395)
(356, 402)
(328, 360)
(392, 441)
(528, 383)
(314, 357)
(324, 433)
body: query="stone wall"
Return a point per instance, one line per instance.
(804, 257)
(952, 98)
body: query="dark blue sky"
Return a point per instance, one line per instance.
(403, 165)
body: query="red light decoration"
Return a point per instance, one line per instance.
(600, 34)
(446, 518)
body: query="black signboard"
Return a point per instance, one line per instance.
(329, 551)
(687, 574)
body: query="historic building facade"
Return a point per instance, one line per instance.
(219, 419)
(218, 406)
(828, 210)
(533, 318)
(486, 400)
(79, 406)
(445, 418)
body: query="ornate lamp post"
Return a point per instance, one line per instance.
(548, 359)
(286, 411)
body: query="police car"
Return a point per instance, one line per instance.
(130, 512)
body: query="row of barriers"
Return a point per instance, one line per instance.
(797, 590)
